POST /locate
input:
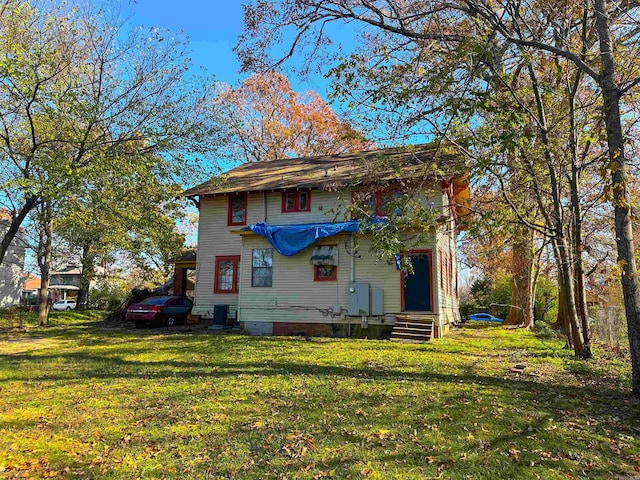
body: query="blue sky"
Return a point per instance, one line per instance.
(213, 27)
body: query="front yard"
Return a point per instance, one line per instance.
(78, 400)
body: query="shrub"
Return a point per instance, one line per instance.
(108, 295)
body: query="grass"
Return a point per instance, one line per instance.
(79, 400)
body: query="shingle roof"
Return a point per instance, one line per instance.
(331, 172)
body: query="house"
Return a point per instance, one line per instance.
(278, 254)
(65, 282)
(12, 265)
(30, 287)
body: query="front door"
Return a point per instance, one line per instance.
(417, 287)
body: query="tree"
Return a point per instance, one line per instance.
(44, 222)
(83, 95)
(122, 218)
(266, 120)
(582, 35)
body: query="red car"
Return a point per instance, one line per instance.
(160, 311)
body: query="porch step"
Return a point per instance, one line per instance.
(412, 328)
(414, 318)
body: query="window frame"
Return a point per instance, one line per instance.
(318, 278)
(296, 201)
(378, 199)
(232, 197)
(253, 267)
(441, 272)
(235, 259)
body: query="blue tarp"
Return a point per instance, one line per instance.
(291, 239)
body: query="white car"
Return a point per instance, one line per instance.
(64, 305)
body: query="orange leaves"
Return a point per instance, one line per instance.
(298, 445)
(32, 468)
(269, 120)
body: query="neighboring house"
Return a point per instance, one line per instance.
(258, 209)
(65, 283)
(11, 266)
(30, 288)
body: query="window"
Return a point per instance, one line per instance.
(226, 278)
(449, 274)
(441, 272)
(262, 267)
(376, 203)
(237, 211)
(296, 201)
(325, 263)
(325, 273)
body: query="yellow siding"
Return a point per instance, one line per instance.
(448, 302)
(296, 297)
(323, 207)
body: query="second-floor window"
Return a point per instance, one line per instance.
(376, 203)
(237, 212)
(296, 201)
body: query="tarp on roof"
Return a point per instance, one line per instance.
(291, 239)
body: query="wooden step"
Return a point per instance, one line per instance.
(413, 328)
(416, 337)
(414, 319)
(413, 324)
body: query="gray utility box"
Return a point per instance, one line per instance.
(377, 301)
(358, 302)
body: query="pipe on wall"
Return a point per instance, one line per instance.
(352, 259)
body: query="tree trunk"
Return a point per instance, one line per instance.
(16, 222)
(621, 204)
(576, 226)
(44, 262)
(85, 278)
(562, 322)
(521, 310)
(560, 237)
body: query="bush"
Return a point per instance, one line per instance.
(468, 308)
(544, 331)
(108, 295)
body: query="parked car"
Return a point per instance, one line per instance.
(485, 317)
(160, 311)
(64, 305)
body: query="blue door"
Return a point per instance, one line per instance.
(417, 287)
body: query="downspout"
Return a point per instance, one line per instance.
(352, 272)
(352, 259)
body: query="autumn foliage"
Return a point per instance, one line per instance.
(268, 120)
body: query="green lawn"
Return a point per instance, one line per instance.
(79, 400)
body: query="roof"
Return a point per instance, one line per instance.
(31, 282)
(332, 172)
(68, 270)
(186, 256)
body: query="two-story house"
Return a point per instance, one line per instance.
(12, 265)
(278, 253)
(65, 282)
